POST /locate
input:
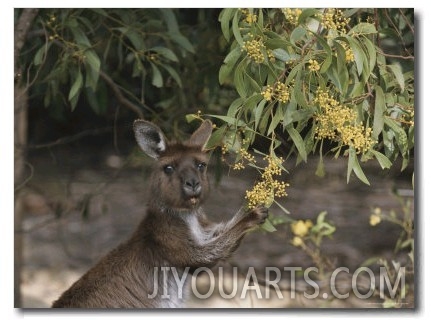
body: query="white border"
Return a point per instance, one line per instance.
(423, 27)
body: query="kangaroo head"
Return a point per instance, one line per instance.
(179, 180)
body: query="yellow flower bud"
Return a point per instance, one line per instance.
(297, 241)
(375, 220)
(300, 228)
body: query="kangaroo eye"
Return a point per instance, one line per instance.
(168, 169)
(202, 166)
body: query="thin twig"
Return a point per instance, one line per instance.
(119, 95)
(31, 82)
(70, 139)
(26, 180)
(395, 28)
(397, 56)
(412, 29)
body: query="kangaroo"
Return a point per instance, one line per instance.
(175, 233)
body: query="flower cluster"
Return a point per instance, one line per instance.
(408, 116)
(245, 156)
(249, 16)
(270, 55)
(292, 15)
(264, 192)
(314, 65)
(255, 49)
(376, 217)
(338, 123)
(334, 19)
(348, 52)
(278, 92)
(349, 55)
(77, 52)
(300, 229)
(53, 25)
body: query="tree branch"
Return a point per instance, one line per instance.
(21, 29)
(70, 139)
(119, 95)
(397, 56)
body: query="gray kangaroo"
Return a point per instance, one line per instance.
(175, 234)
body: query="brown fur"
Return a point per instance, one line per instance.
(175, 232)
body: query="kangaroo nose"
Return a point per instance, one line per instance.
(193, 186)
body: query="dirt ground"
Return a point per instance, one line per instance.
(76, 210)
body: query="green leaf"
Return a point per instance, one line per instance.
(229, 120)
(235, 107)
(384, 162)
(182, 41)
(400, 134)
(78, 34)
(100, 11)
(253, 86)
(321, 218)
(224, 18)
(268, 226)
(170, 19)
(338, 72)
(298, 92)
(396, 70)
(157, 80)
(379, 110)
(135, 38)
(320, 170)
(372, 53)
(98, 108)
(306, 13)
(358, 53)
(294, 72)
(282, 54)
(165, 52)
(260, 20)
(363, 28)
(258, 113)
(276, 120)
(235, 29)
(233, 56)
(353, 164)
(229, 63)
(76, 86)
(92, 59)
(174, 74)
(297, 35)
(216, 138)
(328, 60)
(224, 73)
(342, 72)
(41, 53)
(92, 69)
(251, 102)
(238, 80)
(298, 141)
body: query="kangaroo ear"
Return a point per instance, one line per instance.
(200, 137)
(149, 137)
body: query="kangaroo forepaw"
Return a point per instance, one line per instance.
(258, 215)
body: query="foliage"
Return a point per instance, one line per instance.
(142, 59)
(328, 80)
(405, 242)
(308, 236)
